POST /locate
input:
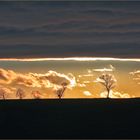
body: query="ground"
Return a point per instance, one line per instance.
(70, 118)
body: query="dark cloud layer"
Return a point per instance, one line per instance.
(67, 29)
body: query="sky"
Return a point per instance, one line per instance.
(81, 76)
(44, 45)
(69, 29)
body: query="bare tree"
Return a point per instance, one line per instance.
(36, 94)
(60, 91)
(108, 81)
(20, 93)
(2, 94)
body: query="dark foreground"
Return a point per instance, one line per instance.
(78, 118)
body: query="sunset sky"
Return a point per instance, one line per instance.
(43, 44)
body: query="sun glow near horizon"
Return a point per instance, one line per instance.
(72, 58)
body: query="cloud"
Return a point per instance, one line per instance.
(7, 89)
(135, 72)
(87, 93)
(66, 49)
(115, 95)
(110, 69)
(81, 85)
(51, 79)
(29, 30)
(6, 76)
(136, 76)
(86, 75)
(57, 78)
(86, 82)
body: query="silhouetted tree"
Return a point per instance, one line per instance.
(36, 94)
(60, 91)
(108, 81)
(20, 93)
(2, 94)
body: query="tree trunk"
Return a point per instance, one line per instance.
(59, 96)
(20, 97)
(3, 97)
(62, 92)
(108, 91)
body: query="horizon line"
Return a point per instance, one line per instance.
(72, 58)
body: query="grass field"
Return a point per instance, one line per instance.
(70, 118)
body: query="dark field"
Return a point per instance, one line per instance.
(70, 118)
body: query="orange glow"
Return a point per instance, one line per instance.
(71, 58)
(80, 77)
